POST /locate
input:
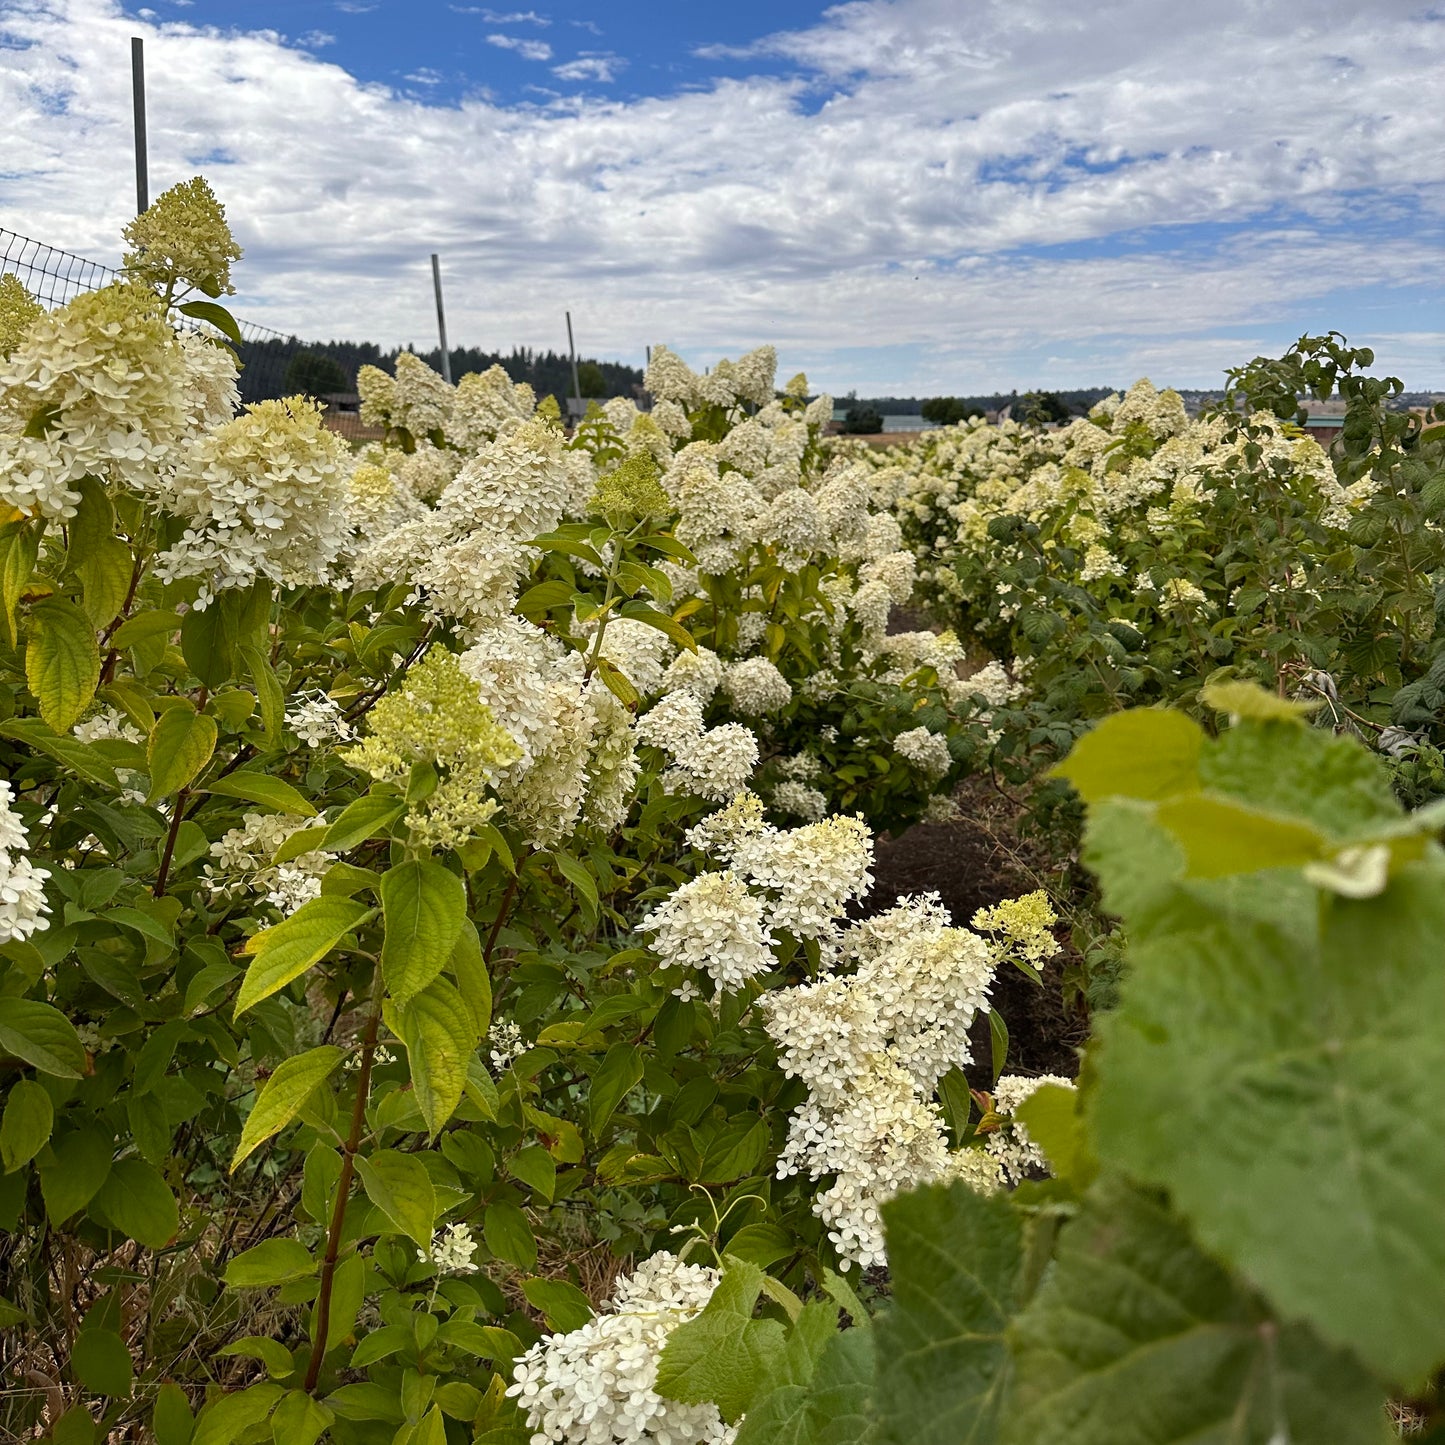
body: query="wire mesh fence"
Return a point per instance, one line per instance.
(54, 277)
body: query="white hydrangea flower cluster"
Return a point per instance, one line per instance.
(244, 862)
(871, 1046)
(106, 384)
(318, 719)
(505, 1044)
(927, 751)
(597, 1385)
(576, 754)
(713, 924)
(265, 496)
(1010, 1145)
(714, 763)
(755, 687)
(23, 909)
(452, 1249)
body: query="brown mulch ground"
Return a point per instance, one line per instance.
(972, 863)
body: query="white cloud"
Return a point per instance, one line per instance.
(1079, 201)
(527, 49)
(602, 68)
(315, 39)
(425, 76)
(347, 7)
(502, 17)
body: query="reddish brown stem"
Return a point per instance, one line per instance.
(321, 1316)
(177, 815)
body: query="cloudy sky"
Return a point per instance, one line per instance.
(914, 196)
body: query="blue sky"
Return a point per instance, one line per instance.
(446, 52)
(905, 196)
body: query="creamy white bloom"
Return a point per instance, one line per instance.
(714, 925)
(926, 751)
(23, 909)
(596, 1385)
(755, 686)
(1011, 1146)
(452, 1250)
(318, 719)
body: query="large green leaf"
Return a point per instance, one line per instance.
(262, 788)
(62, 661)
(400, 1187)
(424, 906)
(1275, 1087)
(135, 1200)
(101, 1362)
(272, 1262)
(71, 1172)
(79, 757)
(26, 1124)
(817, 1387)
(1145, 753)
(229, 1417)
(180, 745)
(19, 549)
(943, 1369)
(722, 1355)
(438, 1029)
(1136, 1338)
(618, 1074)
(288, 950)
(283, 1094)
(41, 1035)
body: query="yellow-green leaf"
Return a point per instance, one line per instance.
(283, 1094)
(288, 950)
(62, 661)
(181, 744)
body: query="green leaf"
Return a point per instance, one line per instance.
(106, 572)
(41, 1035)
(722, 1355)
(735, 1151)
(262, 788)
(617, 682)
(368, 817)
(180, 745)
(619, 1073)
(19, 549)
(509, 1236)
(577, 874)
(288, 950)
(564, 1305)
(474, 985)
(300, 1420)
(102, 1363)
(1220, 836)
(400, 1187)
(761, 1244)
(1146, 753)
(171, 1421)
(1271, 1080)
(62, 661)
(274, 1261)
(1051, 1115)
(26, 1125)
(536, 1168)
(943, 1368)
(824, 1403)
(438, 1028)
(81, 1162)
(1136, 1338)
(136, 1201)
(424, 907)
(1250, 701)
(541, 598)
(269, 697)
(81, 758)
(226, 1419)
(215, 315)
(283, 1094)
(664, 622)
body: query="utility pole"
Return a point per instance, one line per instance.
(138, 97)
(572, 348)
(436, 277)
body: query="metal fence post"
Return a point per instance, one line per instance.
(572, 349)
(436, 277)
(138, 97)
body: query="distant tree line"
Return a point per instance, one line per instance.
(1077, 402)
(283, 366)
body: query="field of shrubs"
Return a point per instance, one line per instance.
(443, 991)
